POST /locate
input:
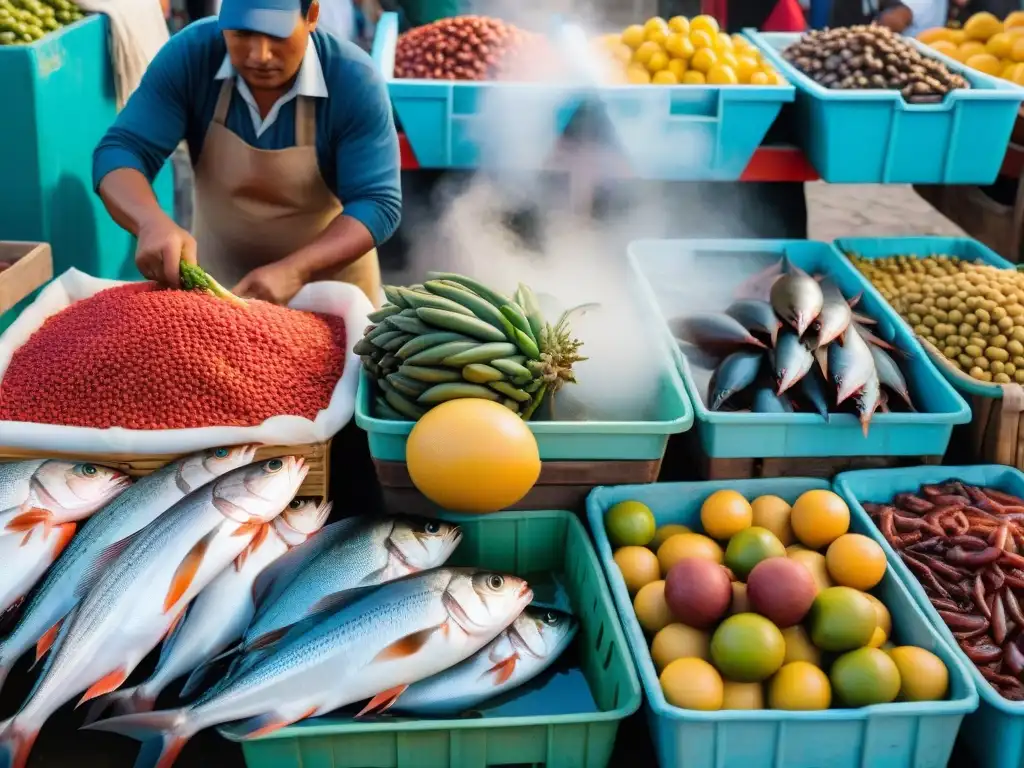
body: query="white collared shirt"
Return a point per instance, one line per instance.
(308, 82)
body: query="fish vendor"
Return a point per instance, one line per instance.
(296, 156)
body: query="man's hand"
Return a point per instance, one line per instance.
(277, 283)
(162, 246)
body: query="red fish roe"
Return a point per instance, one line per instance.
(141, 357)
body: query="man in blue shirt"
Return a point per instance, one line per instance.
(294, 147)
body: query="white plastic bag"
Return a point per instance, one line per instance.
(334, 298)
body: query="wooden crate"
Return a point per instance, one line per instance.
(562, 484)
(32, 268)
(317, 456)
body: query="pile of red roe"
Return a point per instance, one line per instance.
(140, 357)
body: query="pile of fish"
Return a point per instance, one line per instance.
(215, 557)
(763, 350)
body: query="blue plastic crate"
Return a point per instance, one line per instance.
(462, 124)
(995, 733)
(898, 735)
(874, 136)
(663, 264)
(965, 248)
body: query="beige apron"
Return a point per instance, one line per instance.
(256, 206)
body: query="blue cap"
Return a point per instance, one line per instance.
(276, 18)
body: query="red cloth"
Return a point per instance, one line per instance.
(787, 16)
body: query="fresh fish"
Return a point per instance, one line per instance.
(890, 374)
(102, 537)
(835, 316)
(867, 401)
(25, 559)
(54, 492)
(872, 339)
(796, 297)
(145, 590)
(766, 401)
(736, 373)
(395, 635)
(756, 315)
(529, 646)
(812, 386)
(850, 365)
(223, 610)
(759, 285)
(714, 332)
(791, 360)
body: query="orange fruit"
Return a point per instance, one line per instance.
(799, 646)
(662, 534)
(703, 60)
(799, 686)
(693, 77)
(855, 561)
(759, 78)
(692, 684)
(469, 438)
(678, 641)
(813, 562)
(684, 545)
(1000, 45)
(679, 24)
(1014, 20)
(1017, 51)
(945, 47)
(701, 39)
(982, 26)
(772, 512)
(933, 35)
(725, 513)
(923, 676)
(742, 695)
(705, 23)
(984, 62)
(964, 51)
(650, 607)
(819, 517)
(884, 617)
(638, 565)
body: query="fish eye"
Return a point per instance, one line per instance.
(295, 504)
(550, 618)
(495, 581)
(88, 470)
(221, 453)
(274, 465)
(432, 527)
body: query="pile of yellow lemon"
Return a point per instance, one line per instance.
(984, 43)
(684, 51)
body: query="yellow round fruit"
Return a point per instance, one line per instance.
(923, 676)
(745, 67)
(1014, 20)
(678, 641)
(657, 62)
(799, 686)
(884, 617)
(678, 68)
(1017, 51)
(855, 561)
(679, 46)
(679, 24)
(982, 26)
(706, 24)
(650, 607)
(723, 42)
(742, 695)
(665, 77)
(472, 438)
(815, 563)
(630, 522)
(724, 514)
(865, 676)
(1016, 75)
(656, 24)
(1000, 45)
(799, 646)
(683, 545)
(643, 54)
(633, 36)
(841, 619)
(722, 74)
(740, 602)
(984, 62)
(622, 53)
(772, 512)
(759, 78)
(776, 77)
(638, 565)
(637, 74)
(933, 35)
(957, 36)
(692, 684)
(747, 648)
(693, 77)
(819, 517)
(965, 50)
(703, 60)
(945, 47)
(664, 532)
(728, 58)
(877, 639)
(701, 39)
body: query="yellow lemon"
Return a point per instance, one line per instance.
(933, 35)
(1014, 20)
(1017, 51)
(722, 74)
(657, 36)
(745, 67)
(923, 676)
(705, 23)
(728, 58)
(643, 54)
(723, 42)
(679, 45)
(759, 78)
(650, 607)
(693, 77)
(724, 514)
(637, 74)
(945, 47)
(665, 77)
(678, 68)
(679, 24)
(984, 62)
(701, 39)
(982, 26)
(678, 641)
(657, 62)
(999, 45)
(703, 60)
(799, 686)
(633, 36)
(692, 684)
(855, 561)
(664, 532)
(638, 565)
(964, 51)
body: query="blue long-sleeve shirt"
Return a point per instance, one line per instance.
(356, 142)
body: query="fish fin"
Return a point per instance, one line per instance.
(247, 529)
(841, 338)
(173, 626)
(195, 680)
(853, 302)
(821, 355)
(257, 540)
(106, 684)
(337, 600)
(126, 701)
(267, 723)
(26, 538)
(101, 563)
(163, 734)
(29, 519)
(756, 342)
(775, 333)
(383, 701)
(408, 645)
(869, 337)
(187, 570)
(65, 532)
(503, 669)
(15, 744)
(857, 317)
(268, 639)
(44, 643)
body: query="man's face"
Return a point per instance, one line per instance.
(270, 63)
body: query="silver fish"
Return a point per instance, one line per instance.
(791, 360)
(867, 401)
(714, 332)
(25, 560)
(736, 373)
(529, 646)
(53, 492)
(796, 297)
(766, 401)
(223, 610)
(890, 374)
(812, 387)
(101, 540)
(756, 315)
(835, 316)
(145, 591)
(396, 635)
(850, 365)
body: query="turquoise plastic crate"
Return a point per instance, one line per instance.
(523, 544)
(899, 735)
(457, 125)
(995, 733)
(965, 248)
(58, 102)
(874, 136)
(662, 263)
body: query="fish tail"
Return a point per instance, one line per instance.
(15, 743)
(163, 734)
(127, 701)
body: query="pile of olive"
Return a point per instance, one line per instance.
(25, 21)
(871, 57)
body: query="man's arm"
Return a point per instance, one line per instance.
(896, 18)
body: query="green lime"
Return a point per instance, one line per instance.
(749, 547)
(747, 648)
(865, 676)
(7, 38)
(842, 619)
(630, 523)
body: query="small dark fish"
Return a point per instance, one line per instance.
(890, 375)
(714, 332)
(736, 373)
(766, 401)
(756, 315)
(813, 388)
(796, 297)
(834, 318)
(849, 366)
(867, 401)
(791, 360)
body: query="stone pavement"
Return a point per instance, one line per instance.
(837, 210)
